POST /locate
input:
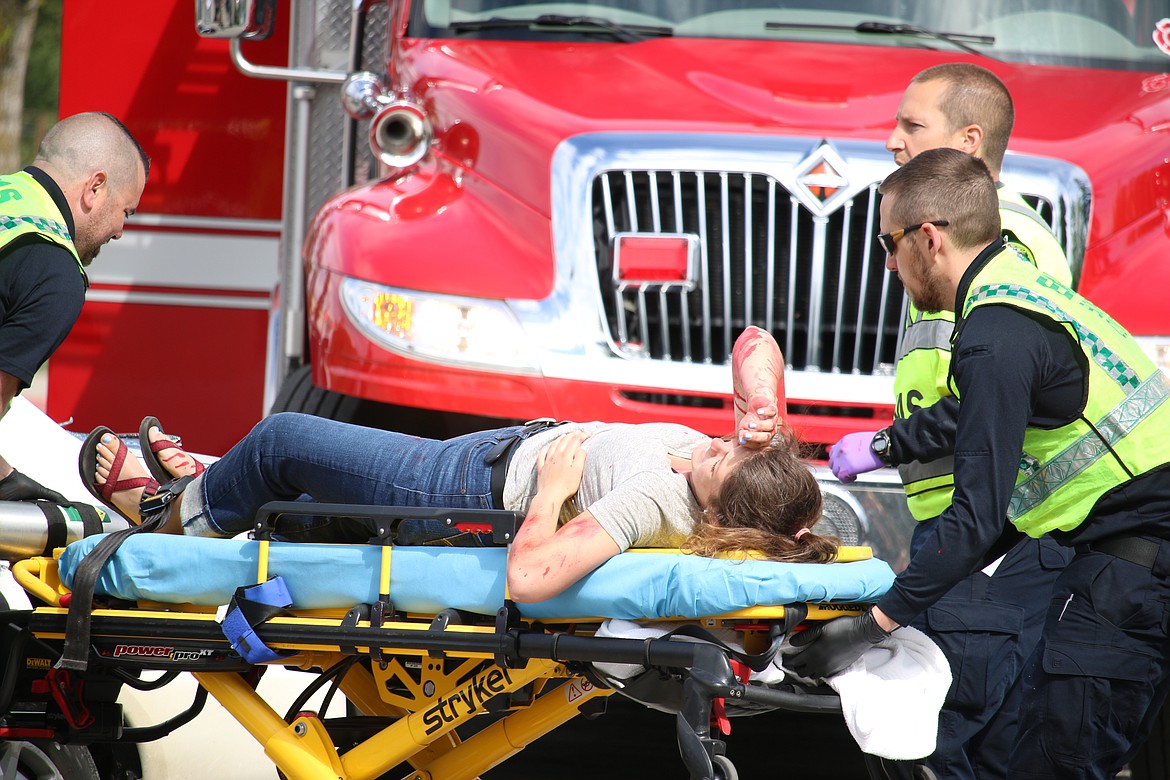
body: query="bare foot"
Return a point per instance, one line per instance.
(128, 500)
(173, 459)
(132, 469)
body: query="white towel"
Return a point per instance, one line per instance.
(43, 450)
(892, 695)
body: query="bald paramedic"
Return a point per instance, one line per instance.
(55, 216)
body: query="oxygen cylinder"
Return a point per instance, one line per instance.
(25, 528)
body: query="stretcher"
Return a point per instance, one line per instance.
(421, 641)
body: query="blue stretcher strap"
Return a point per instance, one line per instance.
(250, 607)
(427, 580)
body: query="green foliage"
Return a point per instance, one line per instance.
(42, 79)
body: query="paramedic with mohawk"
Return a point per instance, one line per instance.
(1062, 428)
(55, 215)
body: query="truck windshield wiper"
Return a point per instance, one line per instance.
(627, 33)
(961, 41)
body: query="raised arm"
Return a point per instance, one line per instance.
(544, 559)
(757, 367)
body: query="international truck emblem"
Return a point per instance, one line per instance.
(821, 181)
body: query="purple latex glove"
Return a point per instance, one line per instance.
(852, 456)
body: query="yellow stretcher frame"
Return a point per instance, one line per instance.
(427, 678)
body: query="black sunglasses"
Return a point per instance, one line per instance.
(888, 240)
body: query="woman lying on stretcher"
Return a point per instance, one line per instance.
(612, 486)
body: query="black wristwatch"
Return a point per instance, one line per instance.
(880, 446)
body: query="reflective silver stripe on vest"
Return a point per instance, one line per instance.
(1111, 363)
(1016, 208)
(40, 223)
(927, 334)
(918, 471)
(1085, 451)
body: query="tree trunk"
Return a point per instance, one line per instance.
(18, 19)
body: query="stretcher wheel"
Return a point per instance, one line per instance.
(724, 769)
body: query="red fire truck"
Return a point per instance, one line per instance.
(440, 215)
(443, 215)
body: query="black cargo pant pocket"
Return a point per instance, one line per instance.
(1094, 699)
(981, 643)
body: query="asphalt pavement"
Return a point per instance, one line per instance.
(633, 741)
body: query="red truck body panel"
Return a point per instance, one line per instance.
(183, 318)
(167, 337)
(517, 101)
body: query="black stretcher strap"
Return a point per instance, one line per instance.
(152, 509)
(57, 522)
(75, 654)
(91, 518)
(58, 531)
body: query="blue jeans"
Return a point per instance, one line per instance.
(298, 457)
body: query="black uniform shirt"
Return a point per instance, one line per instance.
(41, 294)
(1012, 370)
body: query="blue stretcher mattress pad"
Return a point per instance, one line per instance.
(630, 586)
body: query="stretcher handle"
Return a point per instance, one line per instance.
(794, 700)
(517, 644)
(649, 652)
(30, 574)
(501, 524)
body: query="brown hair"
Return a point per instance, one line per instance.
(975, 96)
(946, 184)
(764, 502)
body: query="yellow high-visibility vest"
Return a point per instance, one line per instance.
(924, 356)
(25, 208)
(1121, 432)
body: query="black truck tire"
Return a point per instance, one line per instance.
(299, 394)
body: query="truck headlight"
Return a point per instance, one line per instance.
(843, 516)
(478, 332)
(1158, 348)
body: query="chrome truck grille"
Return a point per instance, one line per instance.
(817, 282)
(783, 240)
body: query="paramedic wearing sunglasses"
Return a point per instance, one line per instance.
(988, 624)
(1062, 430)
(589, 490)
(55, 215)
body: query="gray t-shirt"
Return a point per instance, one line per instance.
(628, 484)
